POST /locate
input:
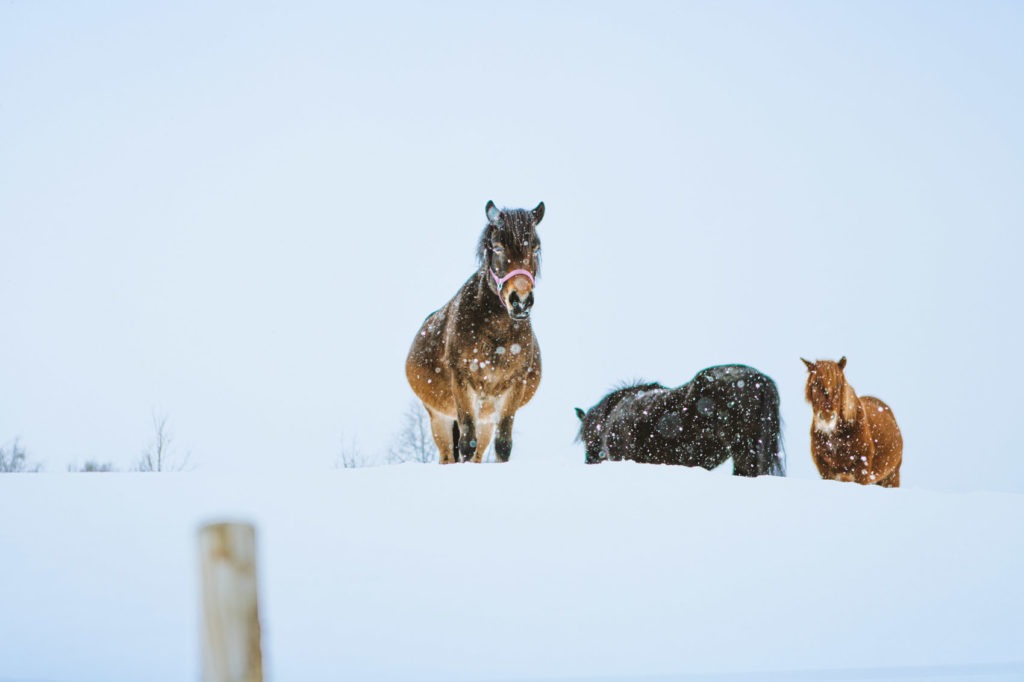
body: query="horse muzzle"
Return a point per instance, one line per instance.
(826, 422)
(520, 298)
(519, 307)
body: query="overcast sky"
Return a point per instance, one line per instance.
(238, 216)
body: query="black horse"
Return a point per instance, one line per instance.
(725, 411)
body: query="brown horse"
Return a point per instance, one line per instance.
(476, 361)
(852, 439)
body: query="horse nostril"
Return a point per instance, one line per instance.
(529, 300)
(515, 301)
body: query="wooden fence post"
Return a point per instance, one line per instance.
(231, 624)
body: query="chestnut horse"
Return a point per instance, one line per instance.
(476, 361)
(852, 439)
(728, 411)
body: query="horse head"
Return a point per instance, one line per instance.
(829, 394)
(509, 250)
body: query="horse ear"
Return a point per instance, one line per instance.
(580, 413)
(538, 213)
(493, 214)
(842, 362)
(810, 365)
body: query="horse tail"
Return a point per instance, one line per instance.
(455, 439)
(771, 453)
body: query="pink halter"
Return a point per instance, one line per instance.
(502, 280)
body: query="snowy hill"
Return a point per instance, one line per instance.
(519, 571)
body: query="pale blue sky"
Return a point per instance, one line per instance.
(239, 215)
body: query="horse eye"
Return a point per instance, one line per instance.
(498, 248)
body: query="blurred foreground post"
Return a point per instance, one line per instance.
(230, 621)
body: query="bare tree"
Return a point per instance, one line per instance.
(92, 466)
(413, 442)
(159, 455)
(14, 461)
(350, 455)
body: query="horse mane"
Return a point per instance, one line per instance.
(622, 386)
(635, 383)
(515, 230)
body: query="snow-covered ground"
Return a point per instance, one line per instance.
(522, 571)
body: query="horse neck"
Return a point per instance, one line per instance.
(859, 416)
(861, 426)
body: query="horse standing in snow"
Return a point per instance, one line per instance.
(476, 361)
(852, 439)
(724, 411)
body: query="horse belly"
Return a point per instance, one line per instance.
(885, 433)
(506, 381)
(426, 369)
(518, 380)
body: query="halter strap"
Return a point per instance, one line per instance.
(500, 281)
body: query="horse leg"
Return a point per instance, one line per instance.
(441, 429)
(891, 481)
(746, 462)
(759, 447)
(751, 457)
(503, 443)
(483, 437)
(467, 441)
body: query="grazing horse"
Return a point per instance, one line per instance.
(852, 439)
(476, 361)
(725, 411)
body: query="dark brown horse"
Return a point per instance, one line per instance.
(852, 439)
(476, 361)
(728, 411)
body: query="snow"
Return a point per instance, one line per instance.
(528, 570)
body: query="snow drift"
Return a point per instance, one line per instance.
(517, 571)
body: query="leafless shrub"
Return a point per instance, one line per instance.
(92, 466)
(413, 442)
(351, 456)
(159, 455)
(14, 461)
